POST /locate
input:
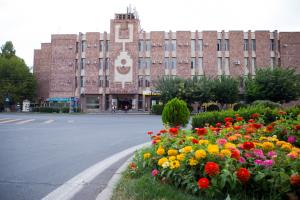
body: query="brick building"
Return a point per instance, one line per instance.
(120, 67)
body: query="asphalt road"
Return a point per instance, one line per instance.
(39, 152)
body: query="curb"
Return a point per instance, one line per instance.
(106, 194)
(73, 186)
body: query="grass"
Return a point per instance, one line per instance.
(146, 187)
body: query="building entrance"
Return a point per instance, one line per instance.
(124, 104)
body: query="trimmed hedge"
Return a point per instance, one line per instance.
(266, 103)
(157, 109)
(269, 115)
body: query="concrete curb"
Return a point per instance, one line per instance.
(106, 194)
(73, 186)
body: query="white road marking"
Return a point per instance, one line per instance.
(49, 121)
(70, 121)
(70, 188)
(3, 119)
(26, 121)
(8, 121)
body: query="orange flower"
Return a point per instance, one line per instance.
(295, 179)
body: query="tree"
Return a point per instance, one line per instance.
(170, 88)
(8, 50)
(225, 90)
(17, 83)
(278, 85)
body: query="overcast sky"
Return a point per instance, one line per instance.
(27, 23)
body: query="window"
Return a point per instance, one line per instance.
(106, 45)
(140, 81)
(140, 63)
(193, 63)
(246, 44)
(193, 45)
(76, 47)
(100, 65)
(166, 45)
(272, 63)
(82, 63)
(173, 63)
(272, 45)
(166, 63)
(106, 81)
(100, 81)
(76, 64)
(200, 45)
(106, 64)
(226, 45)
(253, 45)
(141, 46)
(253, 66)
(173, 45)
(101, 46)
(246, 64)
(148, 45)
(147, 81)
(147, 63)
(76, 82)
(220, 70)
(227, 65)
(83, 45)
(81, 81)
(200, 63)
(92, 103)
(219, 45)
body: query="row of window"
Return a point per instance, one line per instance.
(103, 46)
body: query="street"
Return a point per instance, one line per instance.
(39, 152)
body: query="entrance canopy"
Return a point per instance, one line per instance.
(62, 99)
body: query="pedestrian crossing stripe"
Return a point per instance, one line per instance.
(25, 121)
(10, 120)
(49, 121)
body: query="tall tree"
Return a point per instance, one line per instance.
(17, 83)
(278, 84)
(8, 50)
(170, 88)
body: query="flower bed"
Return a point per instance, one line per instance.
(234, 158)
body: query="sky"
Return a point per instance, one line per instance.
(28, 23)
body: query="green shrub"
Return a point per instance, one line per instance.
(65, 109)
(157, 109)
(48, 110)
(238, 106)
(176, 113)
(267, 103)
(293, 111)
(213, 107)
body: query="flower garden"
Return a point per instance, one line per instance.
(234, 158)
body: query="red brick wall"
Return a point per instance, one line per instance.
(62, 65)
(210, 53)
(157, 54)
(262, 49)
(236, 53)
(290, 50)
(183, 54)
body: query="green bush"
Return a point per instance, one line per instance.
(65, 109)
(266, 103)
(238, 106)
(176, 113)
(157, 109)
(213, 107)
(48, 110)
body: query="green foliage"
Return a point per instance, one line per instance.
(176, 113)
(46, 109)
(16, 81)
(65, 109)
(157, 109)
(277, 85)
(266, 103)
(170, 88)
(213, 107)
(238, 106)
(8, 50)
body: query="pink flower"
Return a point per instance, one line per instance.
(291, 139)
(268, 163)
(272, 154)
(258, 153)
(248, 155)
(242, 160)
(221, 141)
(258, 162)
(154, 172)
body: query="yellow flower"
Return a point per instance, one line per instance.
(171, 158)
(187, 149)
(262, 138)
(213, 149)
(180, 157)
(165, 165)
(225, 152)
(160, 151)
(172, 152)
(147, 155)
(193, 162)
(162, 161)
(199, 154)
(174, 164)
(287, 146)
(229, 145)
(272, 139)
(190, 138)
(203, 142)
(280, 143)
(267, 146)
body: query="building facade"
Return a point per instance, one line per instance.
(119, 69)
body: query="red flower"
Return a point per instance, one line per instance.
(235, 154)
(269, 128)
(211, 168)
(243, 174)
(163, 131)
(238, 119)
(295, 179)
(257, 126)
(201, 131)
(132, 166)
(281, 112)
(248, 145)
(251, 121)
(218, 124)
(173, 131)
(228, 119)
(194, 141)
(255, 115)
(203, 183)
(227, 124)
(237, 127)
(297, 127)
(149, 132)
